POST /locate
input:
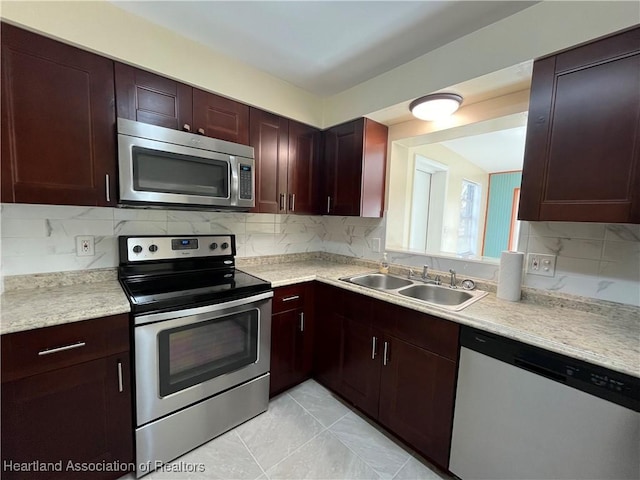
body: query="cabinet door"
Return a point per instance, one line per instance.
(327, 348)
(219, 117)
(582, 156)
(304, 149)
(268, 137)
(145, 97)
(416, 398)
(343, 160)
(78, 414)
(361, 365)
(58, 122)
(285, 350)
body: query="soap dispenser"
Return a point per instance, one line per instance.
(384, 264)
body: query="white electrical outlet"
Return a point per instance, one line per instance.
(375, 245)
(85, 246)
(541, 264)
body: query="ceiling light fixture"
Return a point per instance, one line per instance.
(435, 106)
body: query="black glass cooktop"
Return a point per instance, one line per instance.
(175, 291)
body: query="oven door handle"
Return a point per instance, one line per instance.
(157, 317)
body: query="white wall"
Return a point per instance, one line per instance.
(539, 30)
(110, 31)
(536, 31)
(459, 169)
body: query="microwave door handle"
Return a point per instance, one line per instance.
(234, 182)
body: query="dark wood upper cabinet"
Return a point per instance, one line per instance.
(355, 166)
(268, 135)
(286, 163)
(58, 122)
(149, 98)
(302, 168)
(582, 155)
(220, 117)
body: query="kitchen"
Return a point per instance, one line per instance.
(590, 262)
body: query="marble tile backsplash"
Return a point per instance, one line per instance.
(593, 260)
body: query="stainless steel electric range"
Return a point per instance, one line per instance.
(202, 335)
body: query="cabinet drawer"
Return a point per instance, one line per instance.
(431, 333)
(45, 349)
(289, 298)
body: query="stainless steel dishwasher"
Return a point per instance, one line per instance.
(525, 413)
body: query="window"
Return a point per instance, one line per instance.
(469, 219)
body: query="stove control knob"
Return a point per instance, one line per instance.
(224, 246)
(213, 246)
(153, 248)
(137, 249)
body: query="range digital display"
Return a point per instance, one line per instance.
(184, 244)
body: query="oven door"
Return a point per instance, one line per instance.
(184, 357)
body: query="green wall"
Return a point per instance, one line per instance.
(500, 201)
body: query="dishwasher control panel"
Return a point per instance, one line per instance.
(599, 381)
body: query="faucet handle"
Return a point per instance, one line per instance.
(411, 273)
(425, 271)
(452, 271)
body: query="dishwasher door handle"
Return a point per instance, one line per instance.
(533, 368)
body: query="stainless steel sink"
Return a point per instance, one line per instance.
(440, 296)
(380, 281)
(435, 294)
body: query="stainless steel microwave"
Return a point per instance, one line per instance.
(163, 167)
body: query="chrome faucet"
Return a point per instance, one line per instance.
(425, 272)
(425, 276)
(453, 278)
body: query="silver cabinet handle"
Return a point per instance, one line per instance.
(186, 127)
(49, 351)
(282, 201)
(292, 297)
(385, 356)
(302, 321)
(292, 202)
(201, 131)
(107, 186)
(328, 204)
(120, 386)
(374, 348)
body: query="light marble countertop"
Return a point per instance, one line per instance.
(610, 340)
(609, 336)
(27, 309)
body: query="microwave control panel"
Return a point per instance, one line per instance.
(246, 182)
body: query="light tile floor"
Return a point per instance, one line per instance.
(307, 433)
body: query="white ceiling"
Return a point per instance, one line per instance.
(499, 151)
(324, 47)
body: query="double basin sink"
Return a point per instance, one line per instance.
(441, 296)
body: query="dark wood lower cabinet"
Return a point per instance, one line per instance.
(416, 398)
(291, 337)
(327, 348)
(384, 360)
(72, 421)
(360, 379)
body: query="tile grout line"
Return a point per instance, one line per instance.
(252, 456)
(402, 466)
(317, 419)
(367, 463)
(345, 445)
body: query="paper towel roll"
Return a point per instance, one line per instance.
(510, 276)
